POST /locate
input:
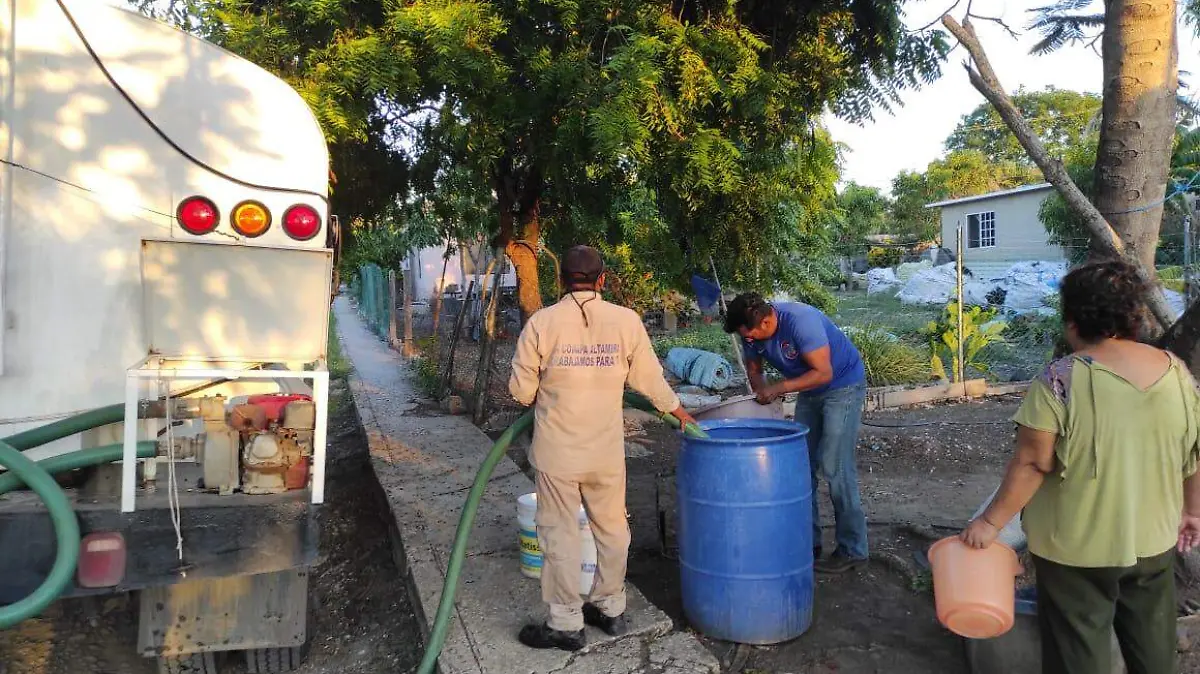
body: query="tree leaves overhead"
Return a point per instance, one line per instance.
(1060, 117)
(682, 128)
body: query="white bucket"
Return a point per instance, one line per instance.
(531, 553)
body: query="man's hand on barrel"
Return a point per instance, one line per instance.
(768, 394)
(683, 417)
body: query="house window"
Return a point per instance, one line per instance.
(981, 230)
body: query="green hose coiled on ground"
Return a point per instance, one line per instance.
(66, 530)
(441, 622)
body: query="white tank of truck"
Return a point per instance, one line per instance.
(117, 129)
(164, 259)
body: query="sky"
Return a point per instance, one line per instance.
(912, 136)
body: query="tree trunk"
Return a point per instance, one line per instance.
(487, 346)
(523, 254)
(441, 288)
(1141, 76)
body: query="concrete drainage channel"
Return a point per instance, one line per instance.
(424, 466)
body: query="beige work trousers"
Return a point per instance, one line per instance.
(603, 497)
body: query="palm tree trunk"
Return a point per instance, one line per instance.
(1141, 78)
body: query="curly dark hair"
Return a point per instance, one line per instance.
(1105, 299)
(746, 311)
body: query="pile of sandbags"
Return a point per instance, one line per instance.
(1026, 286)
(881, 280)
(936, 285)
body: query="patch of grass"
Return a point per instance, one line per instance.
(339, 365)
(888, 360)
(708, 337)
(884, 311)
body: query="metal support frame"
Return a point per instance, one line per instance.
(163, 368)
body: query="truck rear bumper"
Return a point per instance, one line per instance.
(223, 536)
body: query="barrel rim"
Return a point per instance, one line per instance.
(799, 430)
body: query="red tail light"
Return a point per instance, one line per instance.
(197, 215)
(102, 558)
(301, 222)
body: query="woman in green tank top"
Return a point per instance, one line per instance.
(1104, 466)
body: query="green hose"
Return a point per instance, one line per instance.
(441, 622)
(66, 529)
(83, 458)
(65, 428)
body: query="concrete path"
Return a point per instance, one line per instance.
(426, 464)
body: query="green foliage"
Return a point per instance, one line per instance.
(911, 192)
(1064, 227)
(860, 211)
(979, 329)
(339, 365)
(878, 257)
(1035, 331)
(888, 361)
(630, 281)
(1059, 117)
(426, 367)
(709, 337)
(681, 129)
(962, 173)
(814, 294)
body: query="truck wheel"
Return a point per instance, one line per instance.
(196, 663)
(273, 660)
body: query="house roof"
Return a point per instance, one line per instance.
(992, 195)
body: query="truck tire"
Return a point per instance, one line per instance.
(196, 663)
(273, 660)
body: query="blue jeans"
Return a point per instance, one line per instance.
(833, 419)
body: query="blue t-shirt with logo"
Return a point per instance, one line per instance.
(804, 329)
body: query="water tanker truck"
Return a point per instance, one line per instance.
(165, 276)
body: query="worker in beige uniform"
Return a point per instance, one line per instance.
(572, 363)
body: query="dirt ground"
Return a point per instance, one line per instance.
(361, 620)
(933, 473)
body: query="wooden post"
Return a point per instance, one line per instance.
(391, 303)
(487, 343)
(733, 338)
(448, 377)
(961, 370)
(410, 285)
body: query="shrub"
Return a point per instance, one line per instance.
(708, 337)
(878, 257)
(996, 297)
(429, 377)
(1172, 278)
(889, 361)
(979, 330)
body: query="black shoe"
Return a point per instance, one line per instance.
(838, 563)
(541, 636)
(613, 626)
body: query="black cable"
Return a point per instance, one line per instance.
(161, 134)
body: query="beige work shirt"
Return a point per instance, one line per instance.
(575, 374)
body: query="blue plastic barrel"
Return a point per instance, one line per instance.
(745, 530)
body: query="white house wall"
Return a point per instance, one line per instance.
(1020, 235)
(429, 279)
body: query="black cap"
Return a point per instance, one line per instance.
(582, 264)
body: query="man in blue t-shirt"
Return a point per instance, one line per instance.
(822, 365)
